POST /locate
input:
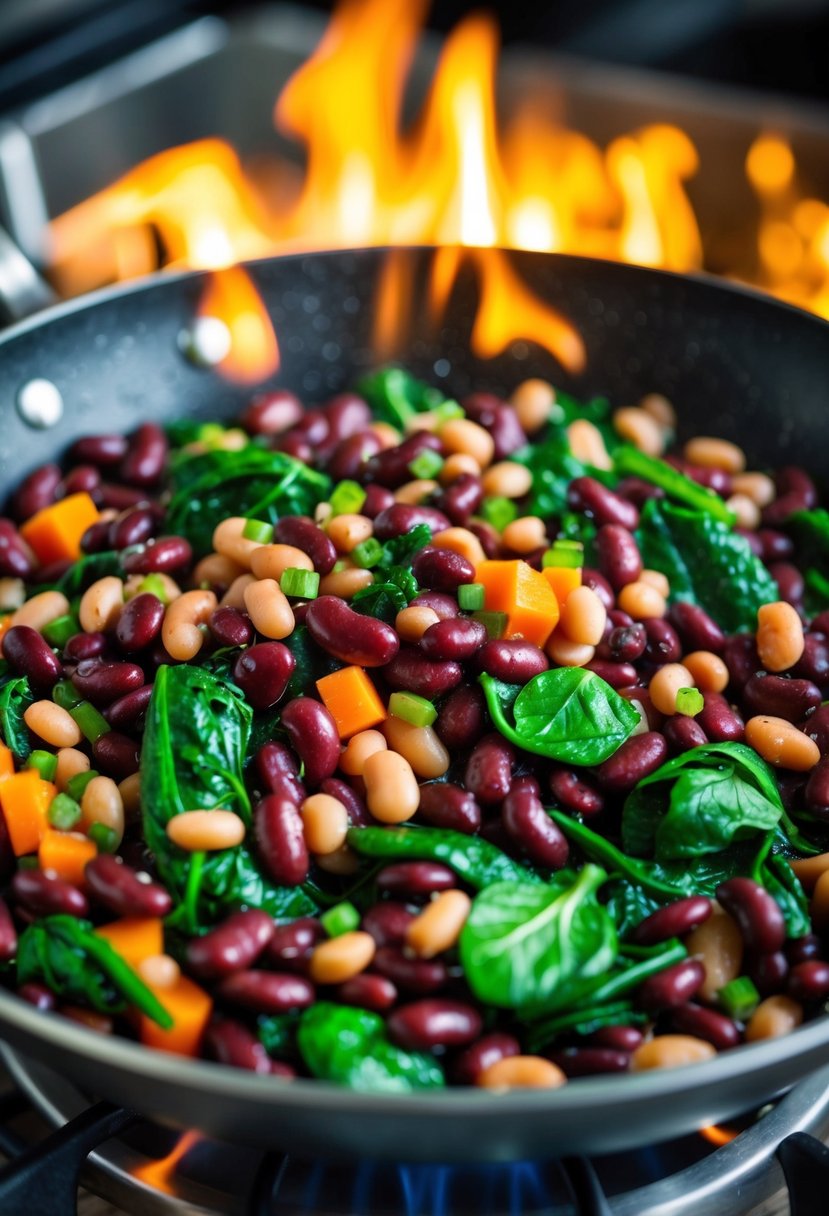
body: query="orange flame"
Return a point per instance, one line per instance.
(718, 1135)
(231, 297)
(160, 1174)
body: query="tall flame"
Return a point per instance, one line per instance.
(160, 1174)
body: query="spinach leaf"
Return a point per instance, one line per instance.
(396, 395)
(553, 466)
(254, 482)
(579, 527)
(399, 551)
(630, 462)
(73, 961)
(537, 946)
(194, 747)
(586, 1019)
(277, 1033)
(810, 533)
(568, 714)
(15, 698)
(385, 599)
(701, 802)
(472, 858)
(85, 571)
(706, 563)
(781, 882)
(349, 1047)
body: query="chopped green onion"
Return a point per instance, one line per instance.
(65, 694)
(90, 721)
(689, 701)
(342, 918)
(60, 630)
(76, 785)
(739, 998)
(46, 764)
(499, 511)
(258, 530)
(367, 553)
(302, 584)
(105, 838)
(154, 584)
(426, 464)
(210, 432)
(412, 708)
(339, 566)
(567, 554)
(28, 863)
(447, 411)
(347, 498)
(471, 597)
(64, 812)
(630, 462)
(493, 622)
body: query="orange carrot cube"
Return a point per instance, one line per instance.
(523, 594)
(25, 800)
(190, 1008)
(67, 854)
(563, 580)
(135, 938)
(352, 700)
(55, 532)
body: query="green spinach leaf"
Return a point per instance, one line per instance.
(349, 1047)
(472, 858)
(397, 396)
(15, 698)
(630, 462)
(810, 533)
(553, 466)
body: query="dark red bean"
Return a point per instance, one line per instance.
(127, 712)
(791, 479)
(146, 456)
(809, 981)
(511, 659)
(368, 991)
(663, 644)
(619, 558)
(262, 672)
(140, 622)
(590, 1061)
(530, 827)
(774, 546)
(52, 573)
(358, 812)
(102, 683)
(720, 722)
(619, 1038)
(674, 986)
(753, 541)
(486, 534)
(424, 1025)
(349, 456)
(167, 555)
(347, 413)
(387, 922)
(232, 946)
(8, 934)
(296, 446)
(233, 1044)
(682, 734)
(271, 413)
(280, 839)
(816, 726)
(617, 675)
(482, 1054)
(83, 479)
(442, 569)
(489, 769)
(506, 431)
(278, 771)
(293, 944)
(717, 480)
(267, 991)
(445, 607)
(313, 736)
(756, 912)
(461, 719)
(417, 975)
(133, 528)
(482, 407)
(15, 558)
(42, 893)
(313, 428)
(303, 533)
(741, 658)
(715, 1028)
(575, 793)
(103, 450)
(450, 807)
(118, 887)
(813, 664)
(675, 920)
(790, 582)
(348, 635)
(804, 949)
(411, 671)
(38, 995)
(231, 627)
(115, 755)
(696, 628)
(120, 498)
(378, 499)
(391, 466)
(637, 757)
(28, 654)
(638, 491)
(458, 638)
(768, 972)
(462, 498)
(415, 878)
(403, 517)
(587, 495)
(36, 491)
(816, 793)
(780, 697)
(627, 644)
(84, 646)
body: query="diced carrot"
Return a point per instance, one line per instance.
(190, 1008)
(55, 532)
(352, 700)
(523, 594)
(563, 580)
(66, 853)
(135, 938)
(6, 762)
(25, 799)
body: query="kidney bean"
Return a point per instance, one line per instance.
(574, 793)
(489, 769)
(102, 683)
(682, 734)
(696, 628)
(752, 540)
(417, 975)
(43, 894)
(481, 407)
(529, 825)
(232, 946)
(313, 427)
(590, 496)
(52, 573)
(15, 558)
(411, 671)
(403, 517)
(115, 755)
(82, 479)
(120, 498)
(789, 581)
(619, 1038)
(511, 659)
(663, 644)
(167, 555)
(718, 480)
(458, 638)
(348, 635)
(774, 546)
(462, 499)
(816, 726)
(146, 456)
(84, 646)
(756, 912)
(8, 934)
(780, 697)
(8, 861)
(313, 736)
(424, 1025)
(715, 1028)
(720, 722)
(271, 413)
(347, 414)
(461, 718)
(777, 513)
(809, 981)
(488, 1050)
(36, 491)
(638, 491)
(263, 671)
(486, 534)
(415, 878)
(619, 558)
(267, 991)
(813, 664)
(391, 466)
(637, 757)
(302, 533)
(279, 836)
(367, 991)
(350, 454)
(296, 446)
(358, 813)
(816, 792)
(140, 622)
(617, 675)
(626, 644)
(506, 431)
(791, 479)
(233, 1044)
(450, 807)
(768, 972)
(126, 713)
(442, 569)
(589, 1061)
(387, 922)
(292, 945)
(38, 995)
(133, 528)
(28, 654)
(103, 450)
(118, 887)
(675, 920)
(231, 627)
(444, 606)
(674, 986)
(278, 771)
(804, 949)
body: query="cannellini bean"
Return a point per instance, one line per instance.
(392, 792)
(782, 744)
(54, 725)
(205, 831)
(180, 630)
(780, 639)
(439, 925)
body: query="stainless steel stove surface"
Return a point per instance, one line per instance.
(147, 1170)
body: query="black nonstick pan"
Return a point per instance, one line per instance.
(734, 363)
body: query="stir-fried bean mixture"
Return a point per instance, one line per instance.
(404, 742)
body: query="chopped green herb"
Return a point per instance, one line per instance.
(90, 721)
(347, 498)
(64, 812)
(300, 584)
(412, 708)
(471, 597)
(258, 530)
(46, 764)
(739, 998)
(426, 464)
(689, 701)
(65, 694)
(60, 630)
(567, 554)
(367, 554)
(493, 622)
(154, 584)
(498, 511)
(342, 918)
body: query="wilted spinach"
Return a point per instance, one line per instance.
(568, 714)
(396, 396)
(349, 1047)
(553, 466)
(15, 698)
(277, 1034)
(706, 563)
(630, 462)
(810, 532)
(394, 584)
(473, 859)
(85, 571)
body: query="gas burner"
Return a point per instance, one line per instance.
(149, 1170)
